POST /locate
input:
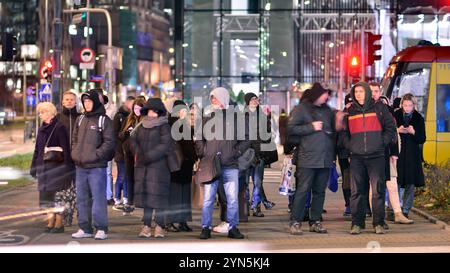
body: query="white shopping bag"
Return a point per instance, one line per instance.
(287, 185)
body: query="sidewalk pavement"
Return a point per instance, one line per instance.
(267, 234)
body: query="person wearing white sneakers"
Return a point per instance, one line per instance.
(93, 145)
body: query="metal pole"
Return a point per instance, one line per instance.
(24, 84)
(341, 82)
(37, 116)
(88, 5)
(57, 49)
(46, 31)
(363, 56)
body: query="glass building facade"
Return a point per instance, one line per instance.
(276, 48)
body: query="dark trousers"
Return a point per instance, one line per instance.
(129, 169)
(345, 171)
(222, 197)
(307, 180)
(363, 172)
(159, 217)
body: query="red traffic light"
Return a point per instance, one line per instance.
(354, 67)
(46, 69)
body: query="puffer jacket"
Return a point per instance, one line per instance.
(230, 149)
(118, 123)
(370, 128)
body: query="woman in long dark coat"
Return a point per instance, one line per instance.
(181, 181)
(53, 177)
(151, 143)
(411, 127)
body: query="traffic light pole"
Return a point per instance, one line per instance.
(363, 57)
(109, 66)
(24, 84)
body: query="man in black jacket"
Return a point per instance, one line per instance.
(369, 130)
(121, 182)
(92, 147)
(312, 125)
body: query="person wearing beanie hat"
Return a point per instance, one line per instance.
(248, 97)
(93, 146)
(180, 210)
(253, 116)
(312, 125)
(156, 105)
(151, 143)
(215, 144)
(369, 129)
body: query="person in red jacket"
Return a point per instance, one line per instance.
(370, 128)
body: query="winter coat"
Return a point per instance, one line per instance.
(119, 121)
(187, 147)
(52, 176)
(151, 171)
(369, 129)
(68, 118)
(316, 149)
(253, 122)
(409, 164)
(230, 149)
(93, 147)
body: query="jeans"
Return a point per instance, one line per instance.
(91, 200)
(230, 181)
(363, 172)
(121, 181)
(307, 180)
(257, 176)
(109, 181)
(159, 217)
(407, 195)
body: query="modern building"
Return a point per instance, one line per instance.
(278, 48)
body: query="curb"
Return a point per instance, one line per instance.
(431, 218)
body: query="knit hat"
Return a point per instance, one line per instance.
(311, 95)
(156, 105)
(248, 97)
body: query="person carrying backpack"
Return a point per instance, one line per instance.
(93, 145)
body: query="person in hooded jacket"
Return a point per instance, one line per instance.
(217, 142)
(93, 145)
(369, 129)
(151, 143)
(134, 118)
(53, 176)
(313, 123)
(181, 181)
(68, 116)
(121, 181)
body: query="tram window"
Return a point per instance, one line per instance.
(443, 108)
(415, 80)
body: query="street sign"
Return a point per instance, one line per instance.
(87, 55)
(96, 78)
(31, 100)
(87, 58)
(45, 93)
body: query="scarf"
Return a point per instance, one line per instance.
(150, 122)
